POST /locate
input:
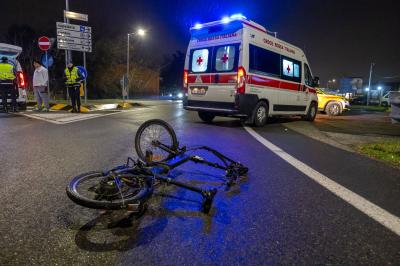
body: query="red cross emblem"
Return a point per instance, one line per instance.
(199, 60)
(288, 69)
(225, 58)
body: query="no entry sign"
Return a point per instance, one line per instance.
(44, 43)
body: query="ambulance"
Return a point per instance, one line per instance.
(235, 68)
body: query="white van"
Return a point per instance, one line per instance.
(233, 67)
(12, 52)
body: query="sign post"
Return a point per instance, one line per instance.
(44, 45)
(84, 82)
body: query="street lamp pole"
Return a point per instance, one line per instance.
(141, 33)
(127, 70)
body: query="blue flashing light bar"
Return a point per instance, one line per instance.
(224, 20)
(238, 16)
(198, 26)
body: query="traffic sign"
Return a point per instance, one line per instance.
(66, 40)
(73, 34)
(83, 71)
(74, 37)
(73, 27)
(76, 16)
(47, 62)
(74, 47)
(44, 43)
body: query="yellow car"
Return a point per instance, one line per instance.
(331, 104)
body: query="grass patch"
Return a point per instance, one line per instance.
(388, 151)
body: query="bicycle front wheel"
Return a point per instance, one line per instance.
(96, 191)
(155, 141)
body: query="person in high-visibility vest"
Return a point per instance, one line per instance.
(73, 78)
(8, 78)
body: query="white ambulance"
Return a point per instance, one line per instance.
(233, 67)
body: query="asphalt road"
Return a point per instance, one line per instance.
(278, 215)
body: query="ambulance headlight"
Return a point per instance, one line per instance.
(180, 95)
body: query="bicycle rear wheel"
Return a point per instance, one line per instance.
(96, 191)
(155, 141)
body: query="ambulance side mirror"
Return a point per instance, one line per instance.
(316, 82)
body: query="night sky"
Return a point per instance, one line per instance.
(341, 38)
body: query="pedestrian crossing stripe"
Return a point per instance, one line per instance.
(61, 118)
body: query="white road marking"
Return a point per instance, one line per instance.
(375, 212)
(66, 118)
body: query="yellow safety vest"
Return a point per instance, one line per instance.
(72, 75)
(7, 71)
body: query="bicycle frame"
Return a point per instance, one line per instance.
(158, 170)
(138, 178)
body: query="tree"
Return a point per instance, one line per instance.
(172, 73)
(108, 63)
(25, 37)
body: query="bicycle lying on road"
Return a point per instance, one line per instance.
(130, 185)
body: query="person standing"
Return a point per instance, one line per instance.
(40, 83)
(8, 79)
(72, 78)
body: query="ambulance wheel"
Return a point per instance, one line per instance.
(312, 112)
(206, 116)
(260, 114)
(333, 109)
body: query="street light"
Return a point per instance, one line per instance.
(330, 81)
(141, 33)
(379, 88)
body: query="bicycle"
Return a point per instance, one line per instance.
(130, 185)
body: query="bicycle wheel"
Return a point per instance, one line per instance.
(96, 191)
(156, 139)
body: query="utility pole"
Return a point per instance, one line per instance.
(369, 82)
(67, 55)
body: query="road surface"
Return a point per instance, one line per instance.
(278, 215)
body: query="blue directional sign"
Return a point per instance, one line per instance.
(47, 63)
(83, 71)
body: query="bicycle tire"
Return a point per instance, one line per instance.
(79, 199)
(174, 142)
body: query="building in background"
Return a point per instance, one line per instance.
(388, 84)
(351, 86)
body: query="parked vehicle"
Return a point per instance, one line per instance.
(385, 101)
(331, 104)
(12, 52)
(234, 68)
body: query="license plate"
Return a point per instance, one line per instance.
(198, 90)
